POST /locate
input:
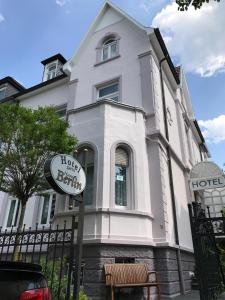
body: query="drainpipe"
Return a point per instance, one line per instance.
(178, 253)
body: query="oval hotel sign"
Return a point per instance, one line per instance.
(65, 174)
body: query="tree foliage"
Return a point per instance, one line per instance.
(185, 4)
(27, 138)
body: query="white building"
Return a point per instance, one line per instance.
(128, 104)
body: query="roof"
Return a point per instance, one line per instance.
(42, 84)
(34, 88)
(53, 58)
(13, 82)
(166, 54)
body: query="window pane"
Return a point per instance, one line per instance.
(108, 90)
(52, 68)
(121, 185)
(61, 112)
(11, 213)
(44, 216)
(88, 193)
(105, 53)
(113, 49)
(121, 165)
(17, 214)
(2, 93)
(109, 41)
(52, 212)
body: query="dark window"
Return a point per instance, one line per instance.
(124, 260)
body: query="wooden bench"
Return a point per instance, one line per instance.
(130, 275)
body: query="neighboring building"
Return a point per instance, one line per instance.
(131, 109)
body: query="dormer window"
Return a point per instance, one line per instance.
(53, 66)
(51, 71)
(110, 49)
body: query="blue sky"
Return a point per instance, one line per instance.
(32, 30)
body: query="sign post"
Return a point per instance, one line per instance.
(78, 259)
(66, 176)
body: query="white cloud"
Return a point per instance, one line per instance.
(214, 130)
(61, 2)
(2, 18)
(146, 5)
(195, 37)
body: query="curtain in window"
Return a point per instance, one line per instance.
(121, 170)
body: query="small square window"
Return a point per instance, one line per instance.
(110, 91)
(61, 111)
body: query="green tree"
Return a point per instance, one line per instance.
(185, 4)
(27, 138)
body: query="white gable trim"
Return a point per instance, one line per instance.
(107, 4)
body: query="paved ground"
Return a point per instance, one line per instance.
(194, 295)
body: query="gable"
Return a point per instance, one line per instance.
(110, 17)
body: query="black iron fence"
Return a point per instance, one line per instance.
(51, 247)
(205, 229)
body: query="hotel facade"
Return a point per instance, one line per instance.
(130, 108)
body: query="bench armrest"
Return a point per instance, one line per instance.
(156, 276)
(110, 275)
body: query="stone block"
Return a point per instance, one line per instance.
(94, 276)
(170, 288)
(166, 264)
(97, 263)
(126, 251)
(94, 289)
(165, 253)
(150, 262)
(168, 276)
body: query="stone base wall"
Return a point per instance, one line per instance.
(167, 268)
(162, 260)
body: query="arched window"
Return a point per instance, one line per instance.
(121, 176)
(110, 48)
(85, 156)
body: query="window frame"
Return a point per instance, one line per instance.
(105, 84)
(131, 180)
(108, 46)
(48, 72)
(61, 108)
(114, 94)
(127, 178)
(70, 203)
(3, 88)
(16, 212)
(52, 195)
